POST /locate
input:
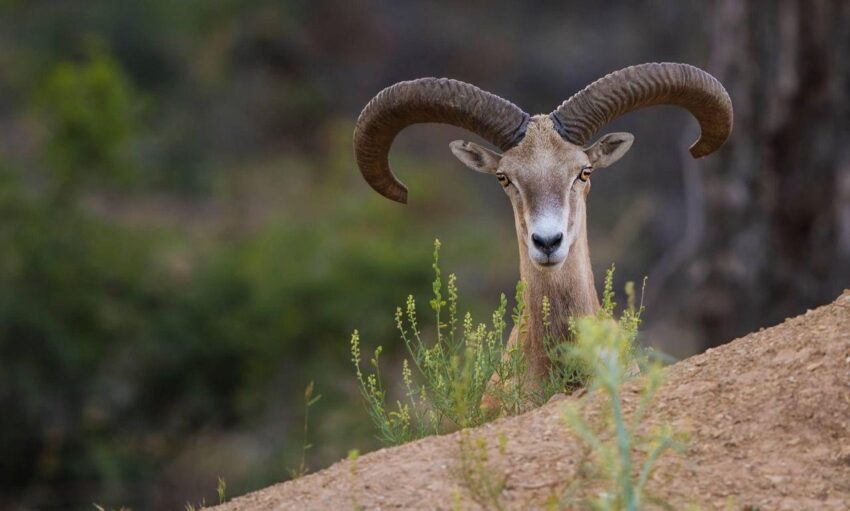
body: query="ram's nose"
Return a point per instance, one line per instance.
(547, 243)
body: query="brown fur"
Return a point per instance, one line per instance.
(543, 164)
(541, 179)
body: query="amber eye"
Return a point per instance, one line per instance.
(584, 175)
(503, 179)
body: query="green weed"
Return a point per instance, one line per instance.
(569, 369)
(452, 372)
(301, 470)
(478, 474)
(353, 456)
(605, 347)
(221, 490)
(191, 507)
(445, 380)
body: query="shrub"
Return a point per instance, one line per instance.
(570, 369)
(454, 370)
(445, 380)
(605, 348)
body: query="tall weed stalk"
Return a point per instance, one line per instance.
(606, 350)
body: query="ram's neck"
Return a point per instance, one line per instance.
(570, 290)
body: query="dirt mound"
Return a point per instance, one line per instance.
(768, 419)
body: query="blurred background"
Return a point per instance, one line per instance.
(185, 240)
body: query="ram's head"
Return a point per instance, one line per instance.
(545, 162)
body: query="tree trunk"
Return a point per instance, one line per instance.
(777, 197)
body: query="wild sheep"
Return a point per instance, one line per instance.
(544, 167)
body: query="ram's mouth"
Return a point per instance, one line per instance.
(547, 263)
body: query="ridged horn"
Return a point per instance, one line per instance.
(424, 100)
(628, 89)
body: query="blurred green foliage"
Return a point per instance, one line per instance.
(112, 354)
(91, 111)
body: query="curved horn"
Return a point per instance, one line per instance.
(620, 92)
(429, 100)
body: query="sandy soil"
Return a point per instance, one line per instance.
(767, 415)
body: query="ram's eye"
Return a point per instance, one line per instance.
(503, 179)
(584, 175)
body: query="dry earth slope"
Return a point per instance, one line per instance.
(768, 419)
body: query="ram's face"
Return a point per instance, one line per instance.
(547, 181)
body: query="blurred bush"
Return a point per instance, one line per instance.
(90, 110)
(112, 354)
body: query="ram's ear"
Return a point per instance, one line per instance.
(608, 149)
(476, 157)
